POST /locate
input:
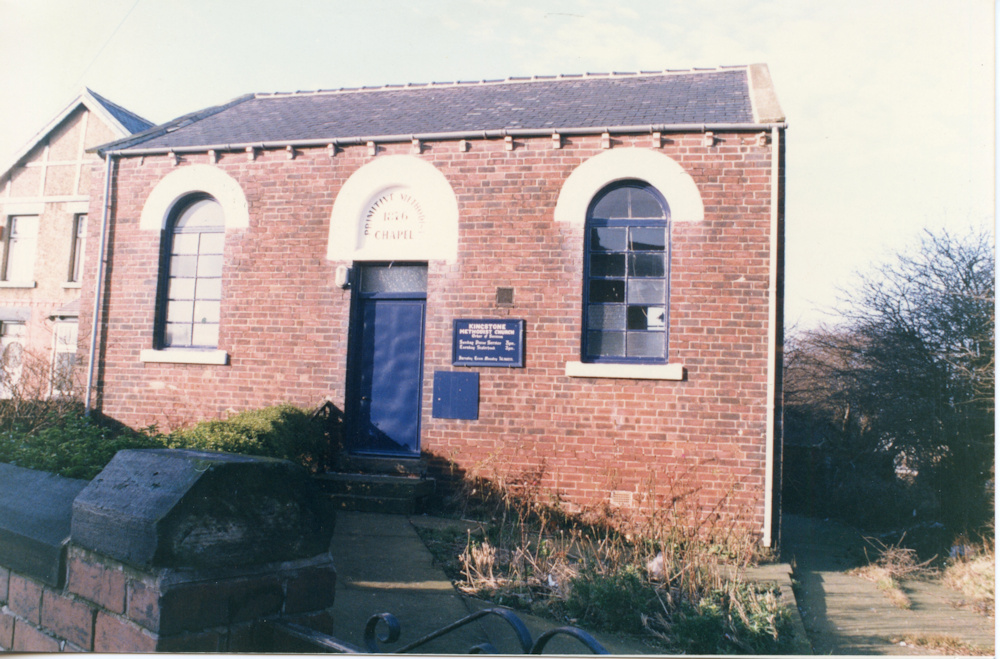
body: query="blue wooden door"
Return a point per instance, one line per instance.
(387, 383)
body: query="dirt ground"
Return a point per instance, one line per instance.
(845, 614)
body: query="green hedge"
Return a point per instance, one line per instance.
(282, 431)
(71, 445)
(76, 446)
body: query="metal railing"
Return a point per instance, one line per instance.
(375, 642)
(333, 427)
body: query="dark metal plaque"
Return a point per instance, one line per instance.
(488, 342)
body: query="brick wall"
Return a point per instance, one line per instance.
(107, 606)
(285, 323)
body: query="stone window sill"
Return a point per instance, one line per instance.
(625, 371)
(17, 284)
(72, 284)
(184, 356)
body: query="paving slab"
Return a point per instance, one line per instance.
(383, 567)
(846, 614)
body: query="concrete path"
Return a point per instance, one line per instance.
(384, 567)
(845, 614)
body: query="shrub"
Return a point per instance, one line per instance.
(31, 396)
(55, 436)
(70, 444)
(741, 618)
(282, 431)
(614, 601)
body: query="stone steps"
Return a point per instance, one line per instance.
(376, 493)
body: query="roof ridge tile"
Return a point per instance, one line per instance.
(510, 79)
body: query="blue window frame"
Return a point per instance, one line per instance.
(191, 276)
(626, 275)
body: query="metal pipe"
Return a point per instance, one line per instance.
(455, 135)
(100, 281)
(772, 339)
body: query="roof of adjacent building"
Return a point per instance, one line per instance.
(128, 120)
(733, 95)
(121, 121)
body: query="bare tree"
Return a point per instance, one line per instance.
(907, 379)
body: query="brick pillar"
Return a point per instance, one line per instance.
(174, 551)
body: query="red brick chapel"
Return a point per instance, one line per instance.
(574, 277)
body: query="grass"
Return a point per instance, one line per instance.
(943, 644)
(974, 575)
(672, 578)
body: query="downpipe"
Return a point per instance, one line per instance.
(105, 213)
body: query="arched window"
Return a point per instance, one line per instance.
(626, 274)
(191, 275)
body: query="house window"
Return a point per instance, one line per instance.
(76, 253)
(20, 245)
(12, 336)
(626, 275)
(191, 283)
(64, 358)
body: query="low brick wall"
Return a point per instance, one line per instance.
(98, 603)
(107, 606)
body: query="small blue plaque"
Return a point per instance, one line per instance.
(488, 342)
(456, 395)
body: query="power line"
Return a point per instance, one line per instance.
(105, 44)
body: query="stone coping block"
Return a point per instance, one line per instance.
(35, 512)
(181, 508)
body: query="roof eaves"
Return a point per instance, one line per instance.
(344, 140)
(169, 127)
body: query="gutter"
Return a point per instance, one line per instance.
(447, 136)
(772, 340)
(105, 212)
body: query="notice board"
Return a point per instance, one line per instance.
(488, 342)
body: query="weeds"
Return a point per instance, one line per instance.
(974, 575)
(676, 576)
(894, 564)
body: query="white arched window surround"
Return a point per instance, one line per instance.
(406, 174)
(657, 169)
(193, 179)
(682, 196)
(176, 187)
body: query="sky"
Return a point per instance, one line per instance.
(889, 103)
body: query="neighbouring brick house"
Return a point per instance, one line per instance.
(44, 203)
(574, 278)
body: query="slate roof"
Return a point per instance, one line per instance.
(716, 96)
(130, 121)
